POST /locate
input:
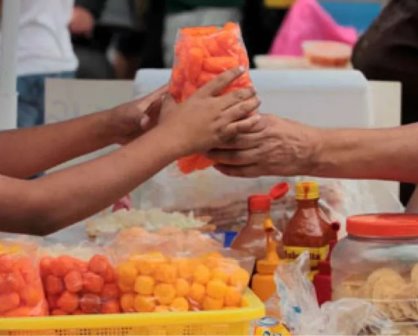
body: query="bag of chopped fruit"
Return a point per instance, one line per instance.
(202, 53)
(21, 292)
(78, 280)
(174, 270)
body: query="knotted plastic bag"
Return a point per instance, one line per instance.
(301, 313)
(307, 20)
(201, 54)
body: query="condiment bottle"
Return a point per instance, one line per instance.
(263, 283)
(251, 238)
(309, 229)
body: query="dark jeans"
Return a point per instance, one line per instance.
(31, 99)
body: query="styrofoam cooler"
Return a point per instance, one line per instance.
(325, 98)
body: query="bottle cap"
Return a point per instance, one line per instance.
(307, 191)
(259, 203)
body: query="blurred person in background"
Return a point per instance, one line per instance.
(388, 51)
(181, 13)
(113, 38)
(43, 50)
(260, 23)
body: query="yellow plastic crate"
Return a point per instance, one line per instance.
(222, 322)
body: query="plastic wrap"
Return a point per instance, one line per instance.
(178, 270)
(202, 53)
(223, 199)
(301, 313)
(21, 292)
(79, 280)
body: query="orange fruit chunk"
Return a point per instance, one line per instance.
(165, 293)
(68, 302)
(73, 281)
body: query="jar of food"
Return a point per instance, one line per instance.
(378, 261)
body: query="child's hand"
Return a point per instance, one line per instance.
(207, 120)
(130, 120)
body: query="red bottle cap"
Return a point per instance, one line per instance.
(259, 203)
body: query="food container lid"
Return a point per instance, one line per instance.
(383, 226)
(307, 191)
(259, 203)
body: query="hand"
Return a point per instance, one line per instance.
(273, 146)
(207, 120)
(131, 120)
(82, 21)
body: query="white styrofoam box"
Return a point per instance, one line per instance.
(325, 98)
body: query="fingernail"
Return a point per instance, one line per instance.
(241, 69)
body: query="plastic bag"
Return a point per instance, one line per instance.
(202, 53)
(21, 292)
(79, 280)
(177, 271)
(301, 313)
(307, 20)
(223, 199)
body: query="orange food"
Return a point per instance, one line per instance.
(179, 304)
(239, 278)
(110, 292)
(90, 304)
(232, 297)
(92, 282)
(54, 285)
(197, 292)
(99, 265)
(182, 287)
(127, 273)
(144, 304)
(144, 285)
(161, 309)
(127, 303)
(166, 273)
(73, 282)
(110, 307)
(216, 289)
(201, 274)
(58, 312)
(165, 293)
(62, 265)
(202, 53)
(68, 302)
(31, 296)
(9, 301)
(212, 304)
(45, 266)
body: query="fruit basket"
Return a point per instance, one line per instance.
(222, 322)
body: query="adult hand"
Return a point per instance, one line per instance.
(207, 120)
(273, 146)
(82, 21)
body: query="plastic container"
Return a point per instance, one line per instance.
(251, 238)
(309, 229)
(378, 261)
(327, 53)
(263, 283)
(224, 322)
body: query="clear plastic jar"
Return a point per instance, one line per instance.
(378, 261)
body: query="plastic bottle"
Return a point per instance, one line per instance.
(251, 238)
(263, 283)
(309, 228)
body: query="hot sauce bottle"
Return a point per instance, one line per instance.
(309, 229)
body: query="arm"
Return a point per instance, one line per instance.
(283, 147)
(29, 151)
(52, 202)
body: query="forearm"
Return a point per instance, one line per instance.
(32, 150)
(389, 154)
(60, 199)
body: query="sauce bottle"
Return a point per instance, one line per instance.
(263, 283)
(309, 229)
(251, 238)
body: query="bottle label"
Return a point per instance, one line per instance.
(269, 326)
(316, 254)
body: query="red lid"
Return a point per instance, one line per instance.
(384, 226)
(259, 203)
